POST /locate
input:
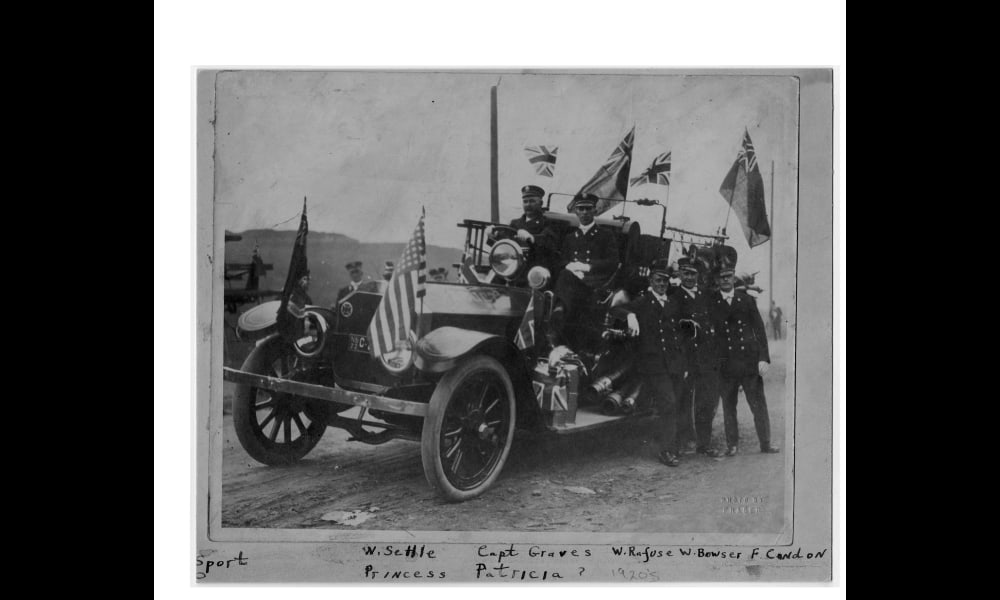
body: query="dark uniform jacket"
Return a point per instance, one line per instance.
(660, 348)
(344, 291)
(545, 244)
(538, 227)
(700, 344)
(596, 248)
(741, 337)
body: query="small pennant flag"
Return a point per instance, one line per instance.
(658, 172)
(543, 158)
(526, 332)
(293, 298)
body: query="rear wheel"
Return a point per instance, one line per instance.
(273, 427)
(469, 427)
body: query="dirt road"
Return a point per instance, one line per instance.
(631, 490)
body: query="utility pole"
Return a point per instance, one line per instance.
(494, 166)
(770, 269)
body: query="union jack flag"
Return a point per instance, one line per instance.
(397, 312)
(467, 272)
(552, 396)
(525, 337)
(543, 158)
(746, 153)
(610, 183)
(624, 150)
(743, 189)
(658, 172)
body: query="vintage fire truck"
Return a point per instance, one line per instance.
(462, 386)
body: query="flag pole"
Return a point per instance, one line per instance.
(494, 167)
(770, 284)
(729, 210)
(423, 214)
(667, 204)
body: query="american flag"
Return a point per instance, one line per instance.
(658, 172)
(397, 312)
(526, 332)
(543, 158)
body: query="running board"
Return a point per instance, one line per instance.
(586, 420)
(322, 392)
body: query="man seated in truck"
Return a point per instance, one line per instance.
(532, 228)
(588, 259)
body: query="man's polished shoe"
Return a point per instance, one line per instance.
(669, 458)
(770, 449)
(731, 451)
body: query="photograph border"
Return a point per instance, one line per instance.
(312, 550)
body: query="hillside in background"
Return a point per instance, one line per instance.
(328, 253)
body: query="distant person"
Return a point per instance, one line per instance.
(775, 316)
(256, 270)
(744, 358)
(388, 269)
(357, 275)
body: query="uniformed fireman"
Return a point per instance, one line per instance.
(532, 223)
(589, 257)
(699, 397)
(533, 228)
(744, 357)
(357, 278)
(661, 357)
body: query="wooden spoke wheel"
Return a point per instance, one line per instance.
(273, 427)
(469, 427)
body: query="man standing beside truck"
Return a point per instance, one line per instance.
(661, 359)
(744, 358)
(699, 397)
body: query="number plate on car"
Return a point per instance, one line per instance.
(358, 343)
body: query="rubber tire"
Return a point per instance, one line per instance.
(430, 447)
(244, 416)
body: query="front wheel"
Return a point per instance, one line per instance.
(469, 427)
(273, 427)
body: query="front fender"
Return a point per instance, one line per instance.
(442, 348)
(260, 321)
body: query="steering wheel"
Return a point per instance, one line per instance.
(504, 232)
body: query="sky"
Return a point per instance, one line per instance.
(369, 149)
